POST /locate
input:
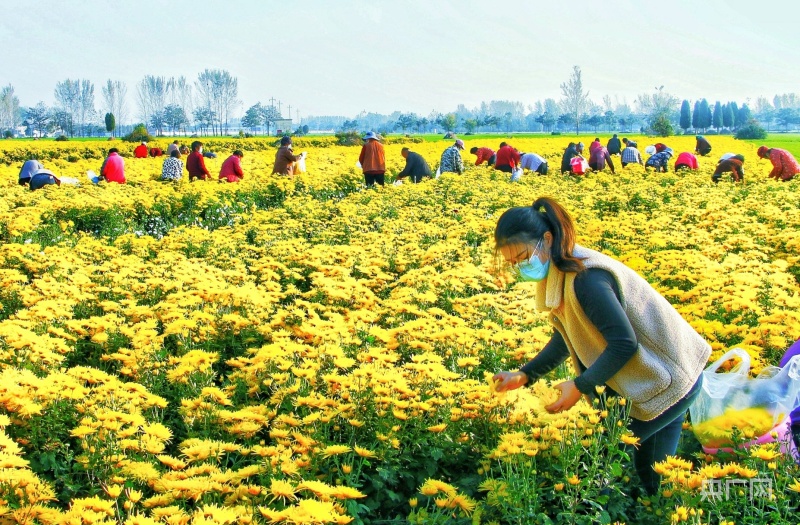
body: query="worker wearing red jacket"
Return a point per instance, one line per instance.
(195, 164)
(784, 165)
(113, 168)
(686, 161)
(141, 151)
(483, 155)
(231, 170)
(507, 158)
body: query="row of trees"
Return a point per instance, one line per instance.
(163, 104)
(728, 115)
(209, 104)
(656, 112)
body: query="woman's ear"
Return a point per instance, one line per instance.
(548, 239)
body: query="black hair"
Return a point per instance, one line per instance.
(175, 154)
(473, 150)
(238, 153)
(404, 150)
(285, 140)
(502, 144)
(113, 150)
(175, 142)
(196, 145)
(528, 224)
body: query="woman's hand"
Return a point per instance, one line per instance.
(569, 396)
(505, 381)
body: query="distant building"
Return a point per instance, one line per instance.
(282, 125)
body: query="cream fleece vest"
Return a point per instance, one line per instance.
(670, 355)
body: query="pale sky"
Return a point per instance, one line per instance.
(339, 57)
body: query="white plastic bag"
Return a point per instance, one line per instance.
(734, 400)
(516, 174)
(301, 163)
(358, 164)
(438, 173)
(69, 181)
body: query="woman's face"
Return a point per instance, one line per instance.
(516, 253)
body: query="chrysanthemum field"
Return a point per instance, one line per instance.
(306, 350)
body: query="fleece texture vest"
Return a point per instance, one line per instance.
(670, 355)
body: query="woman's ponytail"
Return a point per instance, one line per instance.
(562, 228)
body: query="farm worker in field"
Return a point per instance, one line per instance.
(660, 147)
(42, 178)
(734, 165)
(416, 167)
(184, 150)
(30, 167)
(140, 152)
(195, 164)
(599, 157)
(686, 161)
(631, 154)
(533, 162)
(726, 156)
(594, 145)
(784, 165)
(451, 161)
(507, 158)
(373, 160)
(618, 332)
(614, 145)
(172, 169)
(172, 147)
(156, 152)
(483, 155)
(285, 158)
(113, 168)
(702, 147)
(660, 160)
(231, 170)
(569, 153)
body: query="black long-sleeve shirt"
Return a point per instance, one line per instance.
(598, 294)
(570, 152)
(415, 165)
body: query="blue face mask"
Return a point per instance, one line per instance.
(533, 269)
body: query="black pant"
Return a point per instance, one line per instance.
(491, 160)
(507, 169)
(659, 438)
(371, 178)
